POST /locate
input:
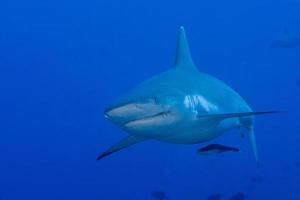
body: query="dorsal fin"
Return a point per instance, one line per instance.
(183, 56)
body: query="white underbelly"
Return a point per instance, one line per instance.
(197, 133)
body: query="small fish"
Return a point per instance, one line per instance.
(159, 195)
(217, 196)
(238, 196)
(216, 148)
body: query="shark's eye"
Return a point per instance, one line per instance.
(138, 106)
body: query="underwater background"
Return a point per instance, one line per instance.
(62, 62)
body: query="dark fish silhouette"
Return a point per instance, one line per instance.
(159, 195)
(292, 44)
(238, 196)
(217, 196)
(216, 148)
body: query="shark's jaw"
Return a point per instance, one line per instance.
(152, 123)
(142, 116)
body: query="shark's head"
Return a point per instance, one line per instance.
(147, 110)
(156, 106)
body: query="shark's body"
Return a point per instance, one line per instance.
(181, 105)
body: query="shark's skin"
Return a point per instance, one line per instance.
(181, 105)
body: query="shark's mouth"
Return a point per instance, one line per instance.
(159, 119)
(139, 116)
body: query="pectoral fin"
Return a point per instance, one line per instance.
(124, 143)
(231, 115)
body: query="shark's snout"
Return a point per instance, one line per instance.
(124, 111)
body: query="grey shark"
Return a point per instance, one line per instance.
(181, 105)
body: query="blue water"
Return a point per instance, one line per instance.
(62, 62)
